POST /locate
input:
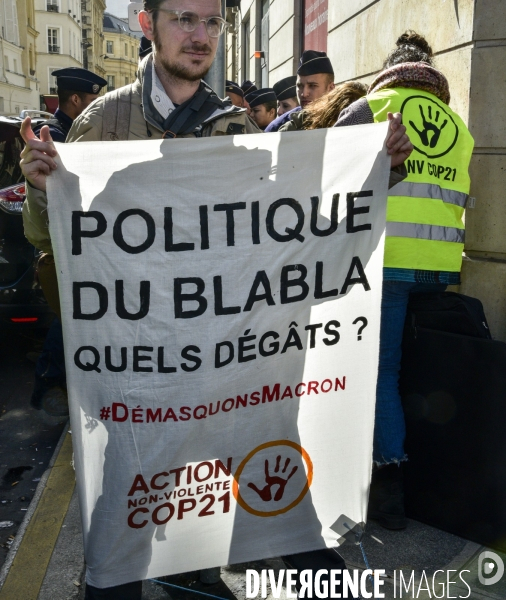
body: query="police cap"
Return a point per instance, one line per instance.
(313, 62)
(233, 88)
(248, 86)
(78, 80)
(285, 88)
(261, 97)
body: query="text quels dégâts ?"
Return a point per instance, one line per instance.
(249, 347)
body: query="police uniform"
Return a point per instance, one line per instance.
(232, 87)
(261, 96)
(313, 62)
(145, 47)
(50, 378)
(248, 86)
(75, 80)
(284, 89)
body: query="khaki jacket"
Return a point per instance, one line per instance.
(143, 125)
(296, 122)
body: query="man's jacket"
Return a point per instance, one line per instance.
(144, 123)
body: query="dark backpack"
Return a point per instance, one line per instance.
(449, 312)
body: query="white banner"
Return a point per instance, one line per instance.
(221, 314)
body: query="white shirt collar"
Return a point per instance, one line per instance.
(161, 101)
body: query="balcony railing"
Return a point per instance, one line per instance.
(53, 49)
(52, 8)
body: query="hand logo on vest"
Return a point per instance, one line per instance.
(429, 126)
(431, 129)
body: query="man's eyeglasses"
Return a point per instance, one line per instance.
(189, 21)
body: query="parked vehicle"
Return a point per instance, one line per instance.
(22, 303)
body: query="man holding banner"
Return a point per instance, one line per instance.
(181, 426)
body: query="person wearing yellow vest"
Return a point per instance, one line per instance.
(424, 234)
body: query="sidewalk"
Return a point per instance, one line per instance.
(46, 560)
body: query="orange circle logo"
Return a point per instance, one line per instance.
(286, 478)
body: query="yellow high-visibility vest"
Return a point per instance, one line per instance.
(424, 227)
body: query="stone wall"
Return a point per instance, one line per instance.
(469, 41)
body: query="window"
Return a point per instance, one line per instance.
(126, 49)
(110, 83)
(52, 80)
(52, 41)
(15, 66)
(52, 5)
(126, 81)
(133, 51)
(6, 60)
(110, 48)
(246, 55)
(265, 43)
(1, 105)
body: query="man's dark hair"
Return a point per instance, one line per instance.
(153, 6)
(64, 96)
(411, 47)
(272, 105)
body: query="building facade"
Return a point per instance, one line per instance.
(469, 41)
(92, 12)
(59, 42)
(121, 48)
(18, 82)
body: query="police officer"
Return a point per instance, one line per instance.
(248, 86)
(286, 93)
(145, 48)
(235, 93)
(315, 78)
(263, 105)
(77, 88)
(288, 103)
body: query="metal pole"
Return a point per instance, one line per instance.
(216, 76)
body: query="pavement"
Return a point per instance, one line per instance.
(27, 437)
(46, 562)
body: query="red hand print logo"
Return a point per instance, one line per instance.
(280, 464)
(271, 480)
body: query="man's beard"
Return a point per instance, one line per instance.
(179, 71)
